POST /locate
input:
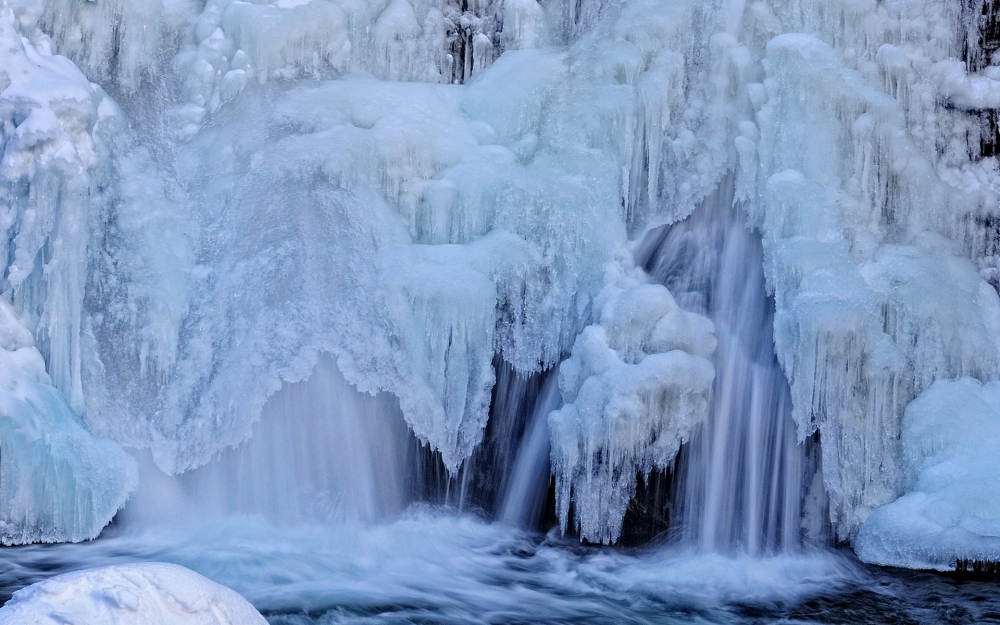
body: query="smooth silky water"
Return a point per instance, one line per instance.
(333, 513)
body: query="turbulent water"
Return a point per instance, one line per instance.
(440, 567)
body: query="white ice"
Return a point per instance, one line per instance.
(634, 386)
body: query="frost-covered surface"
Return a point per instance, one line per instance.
(152, 593)
(636, 383)
(951, 510)
(57, 481)
(48, 117)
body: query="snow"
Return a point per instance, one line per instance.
(155, 593)
(951, 509)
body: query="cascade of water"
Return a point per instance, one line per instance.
(527, 487)
(321, 451)
(741, 475)
(507, 476)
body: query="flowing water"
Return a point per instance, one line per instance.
(742, 482)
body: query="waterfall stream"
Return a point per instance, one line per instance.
(741, 484)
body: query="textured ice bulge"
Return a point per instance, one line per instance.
(153, 593)
(634, 386)
(951, 511)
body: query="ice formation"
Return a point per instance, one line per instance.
(152, 593)
(855, 205)
(411, 229)
(57, 481)
(951, 511)
(635, 385)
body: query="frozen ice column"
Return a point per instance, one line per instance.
(635, 385)
(58, 482)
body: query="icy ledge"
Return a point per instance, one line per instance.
(58, 482)
(951, 444)
(151, 593)
(635, 385)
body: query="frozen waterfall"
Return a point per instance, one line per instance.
(728, 265)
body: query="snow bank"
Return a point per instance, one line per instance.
(60, 483)
(951, 435)
(635, 385)
(152, 593)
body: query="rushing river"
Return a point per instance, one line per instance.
(438, 566)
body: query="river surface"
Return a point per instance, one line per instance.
(438, 566)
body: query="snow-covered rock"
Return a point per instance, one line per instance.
(153, 593)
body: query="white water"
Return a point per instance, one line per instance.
(442, 568)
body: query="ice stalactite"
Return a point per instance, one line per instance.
(50, 177)
(853, 263)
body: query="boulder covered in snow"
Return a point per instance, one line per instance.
(153, 593)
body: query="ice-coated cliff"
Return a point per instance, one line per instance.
(417, 187)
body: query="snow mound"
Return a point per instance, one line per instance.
(635, 385)
(951, 445)
(153, 593)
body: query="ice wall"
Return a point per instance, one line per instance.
(865, 191)
(304, 177)
(411, 229)
(59, 483)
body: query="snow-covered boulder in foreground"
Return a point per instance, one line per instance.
(635, 385)
(951, 445)
(58, 482)
(151, 593)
